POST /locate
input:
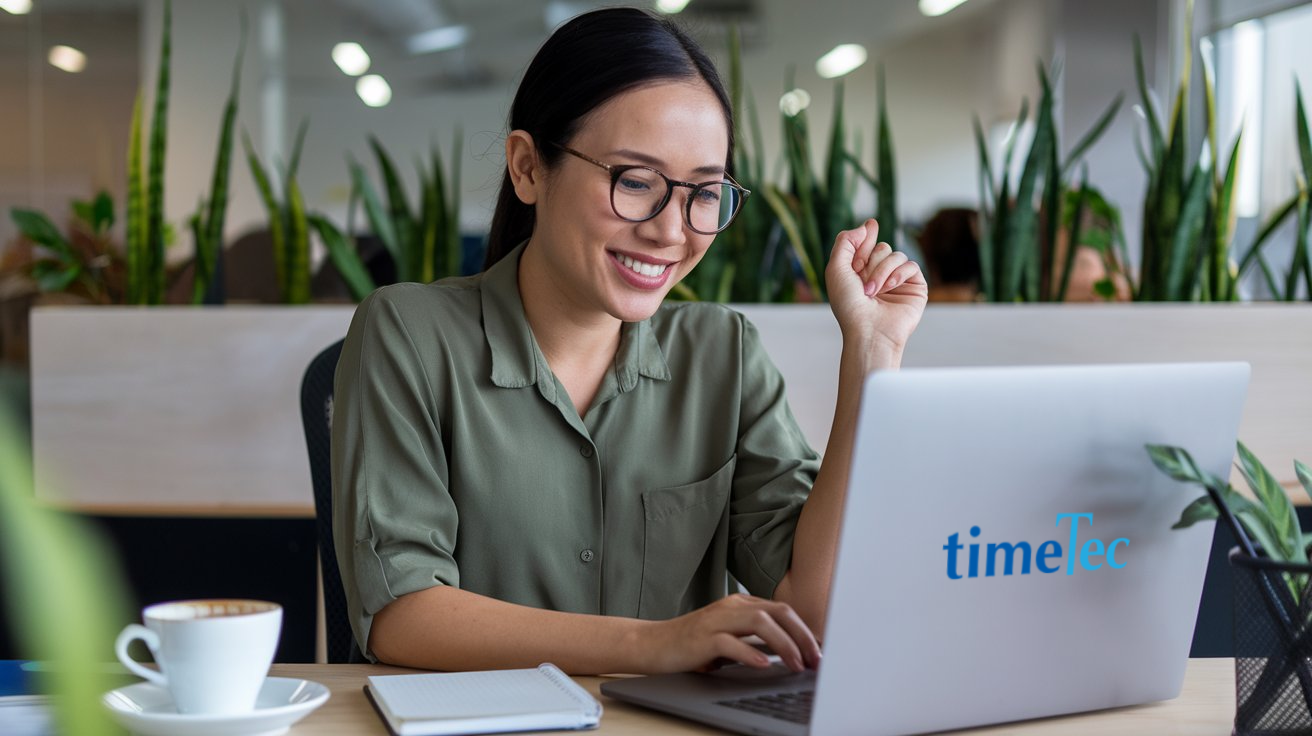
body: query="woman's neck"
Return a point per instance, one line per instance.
(576, 341)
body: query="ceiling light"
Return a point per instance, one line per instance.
(351, 58)
(67, 58)
(16, 7)
(374, 90)
(938, 7)
(794, 102)
(438, 39)
(670, 7)
(842, 60)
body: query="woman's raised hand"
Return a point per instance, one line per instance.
(697, 640)
(877, 294)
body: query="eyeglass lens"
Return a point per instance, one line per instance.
(639, 193)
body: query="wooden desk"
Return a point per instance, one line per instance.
(1206, 706)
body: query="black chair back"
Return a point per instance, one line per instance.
(317, 416)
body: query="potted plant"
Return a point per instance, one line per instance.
(1273, 588)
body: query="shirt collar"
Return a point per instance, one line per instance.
(516, 359)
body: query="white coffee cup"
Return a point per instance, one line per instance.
(213, 655)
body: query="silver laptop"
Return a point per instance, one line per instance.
(1006, 553)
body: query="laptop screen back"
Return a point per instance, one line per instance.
(1007, 550)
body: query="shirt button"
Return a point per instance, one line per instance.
(587, 555)
(585, 450)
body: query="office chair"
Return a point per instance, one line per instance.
(317, 417)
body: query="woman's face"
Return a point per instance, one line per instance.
(598, 261)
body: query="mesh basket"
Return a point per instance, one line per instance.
(1273, 646)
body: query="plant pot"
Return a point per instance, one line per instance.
(1273, 646)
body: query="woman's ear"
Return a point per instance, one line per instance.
(526, 173)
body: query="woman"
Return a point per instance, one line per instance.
(545, 462)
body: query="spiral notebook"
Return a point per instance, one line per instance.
(499, 701)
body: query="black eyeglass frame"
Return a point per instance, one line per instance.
(616, 171)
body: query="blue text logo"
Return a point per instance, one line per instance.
(1015, 557)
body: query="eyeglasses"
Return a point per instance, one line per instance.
(639, 193)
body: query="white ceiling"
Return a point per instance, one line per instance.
(504, 33)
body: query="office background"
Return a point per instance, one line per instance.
(63, 136)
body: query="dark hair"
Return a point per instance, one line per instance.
(586, 62)
(951, 247)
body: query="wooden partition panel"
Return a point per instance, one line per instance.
(196, 411)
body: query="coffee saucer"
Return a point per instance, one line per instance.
(147, 709)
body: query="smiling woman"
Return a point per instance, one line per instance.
(546, 461)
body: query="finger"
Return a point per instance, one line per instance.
(800, 634)
(907, 273)
(764, 624)
(869, 239)
(882, 271)
(877, 256)
(731, 647)
(845, 247)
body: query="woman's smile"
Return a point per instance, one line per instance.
(642, 272)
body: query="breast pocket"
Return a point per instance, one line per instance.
(685, 545)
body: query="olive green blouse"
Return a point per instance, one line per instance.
(459, 459)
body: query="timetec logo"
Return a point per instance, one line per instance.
(1047, 557)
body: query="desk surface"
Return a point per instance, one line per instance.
(1206, 706)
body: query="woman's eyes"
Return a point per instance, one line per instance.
(707, 196)
(634, 184)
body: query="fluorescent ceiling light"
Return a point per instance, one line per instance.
(938, 7)
(670, 7)
(374, 90)
(16, 7)
(842, 60)
(438, 39)
(351, 58)
(67, 58)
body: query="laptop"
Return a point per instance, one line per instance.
(1006, 554)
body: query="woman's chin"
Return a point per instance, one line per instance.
(636, 307)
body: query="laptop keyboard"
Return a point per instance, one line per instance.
(794, 707)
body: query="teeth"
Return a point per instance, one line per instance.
(646, 269)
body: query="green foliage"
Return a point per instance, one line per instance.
(344, 256)
(1188, 210)
(750, 260)
(424, 242)
(1270, 521)
(288, 223)
(146, 233)
(1017, 242)
(63, 592)
(85, 260)
(207, 223)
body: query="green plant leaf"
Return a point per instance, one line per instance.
(153, 273)
(209, 232)
(403, 222)
(52, 277)
(887, 212)
(1099, 127)
(1272, 223)
(1202, 509)
(344, 257)
(1155, 132)
(298, 244)
(379, 222)
(1279, 509)
(277, 226)
(136, 216)
(1303, 133)
(1304, 476)
(38, 228)
(1182, 274)
(1176, 462)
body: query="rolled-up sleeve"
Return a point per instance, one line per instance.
(773, 477)
(394, 521)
